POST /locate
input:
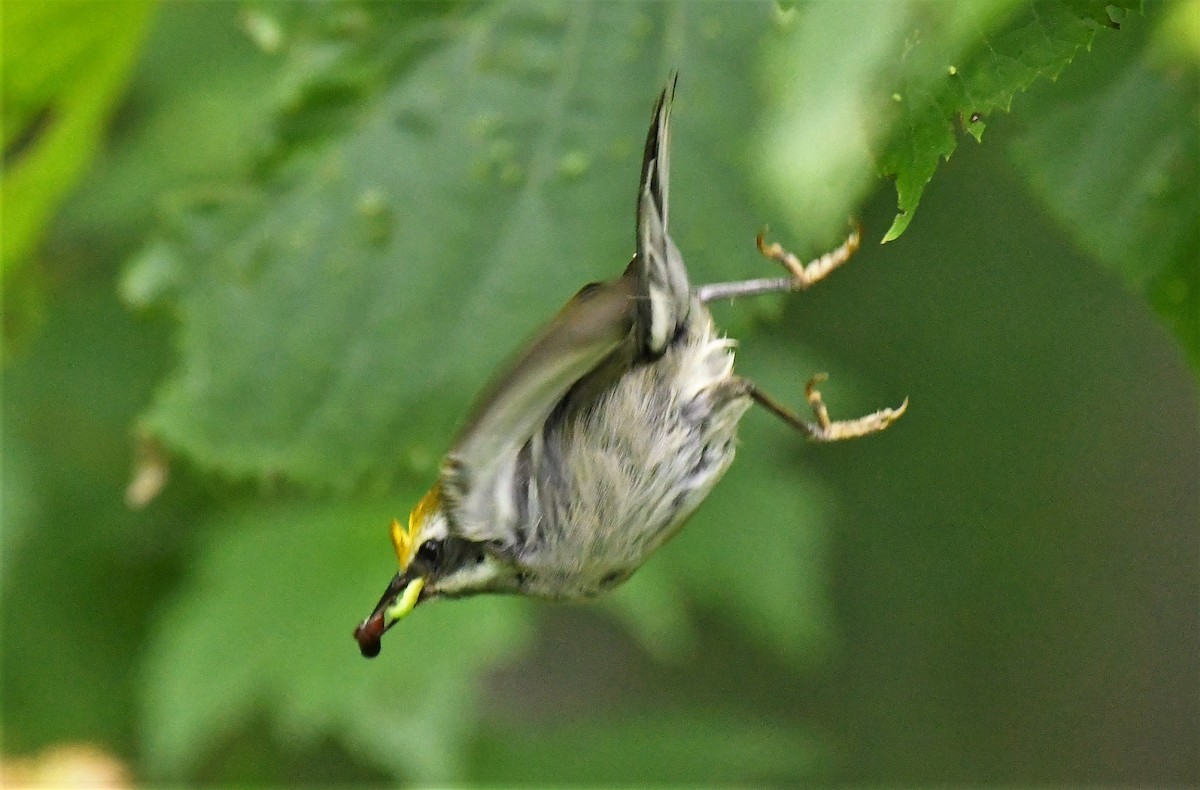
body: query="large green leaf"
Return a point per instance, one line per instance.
(264, 628)
(185, 124)
(466, 174)
(976, 78)
(834, 71)
(887, 83)
(443, 178)
(64, 67)
(1115, 155)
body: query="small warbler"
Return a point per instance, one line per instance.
(605, 433)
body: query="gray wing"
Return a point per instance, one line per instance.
(479, 481)
(663, 290)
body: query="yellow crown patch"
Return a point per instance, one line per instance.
(406, 541)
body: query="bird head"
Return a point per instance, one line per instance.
(433, 563)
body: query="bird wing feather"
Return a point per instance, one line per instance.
(479, 467)
(639, 313)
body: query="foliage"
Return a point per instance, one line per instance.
(413, 725)
(1129, 194)
(335, 219)
(64, 66)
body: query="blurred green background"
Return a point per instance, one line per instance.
(270, 251)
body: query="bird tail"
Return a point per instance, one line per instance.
(663, 290)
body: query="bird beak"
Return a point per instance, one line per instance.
(400, 597)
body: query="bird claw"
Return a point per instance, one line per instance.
(825, 429)
(806, 274)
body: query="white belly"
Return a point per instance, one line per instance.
(618, 478)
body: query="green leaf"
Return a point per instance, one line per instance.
(186, 123)
(888, 83)
(1115, 157)
(441, 184)
(977, 78)
(851, 85)
(64, 67)
(265, 628)
(1037, 41)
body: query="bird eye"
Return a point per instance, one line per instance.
(430, 552)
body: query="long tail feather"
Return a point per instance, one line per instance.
(663, 291)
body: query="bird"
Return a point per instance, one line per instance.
(604, 434)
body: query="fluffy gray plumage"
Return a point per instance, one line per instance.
(606, 432)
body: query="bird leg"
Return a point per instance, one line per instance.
(824, 429)
(802, 275)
